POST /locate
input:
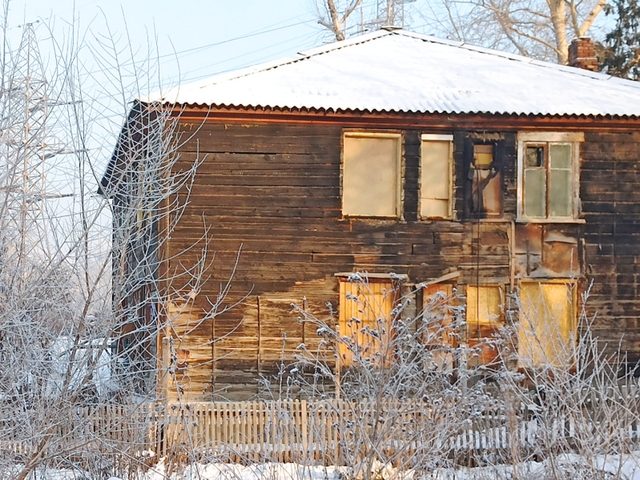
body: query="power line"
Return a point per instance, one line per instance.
(199, 77)
(242, 37)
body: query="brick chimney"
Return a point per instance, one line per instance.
(582, 54)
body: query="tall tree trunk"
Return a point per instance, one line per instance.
(557, 9)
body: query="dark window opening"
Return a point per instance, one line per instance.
(484, 180)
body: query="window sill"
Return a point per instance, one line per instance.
(576, 221)
(503, 219)
(373, 220)
(436, 219)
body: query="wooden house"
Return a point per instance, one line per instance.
(423, 164)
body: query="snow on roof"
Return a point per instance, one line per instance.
(399, 71)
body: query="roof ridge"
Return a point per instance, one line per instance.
(321, 50)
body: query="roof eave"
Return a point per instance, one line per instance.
(504, 120)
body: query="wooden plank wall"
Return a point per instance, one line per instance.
(610, 193)
(272, 193)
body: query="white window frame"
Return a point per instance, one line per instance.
(571, 138)
(427, 137)
(398, 181)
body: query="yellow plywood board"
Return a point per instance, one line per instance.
(365, 307)
(547, 327)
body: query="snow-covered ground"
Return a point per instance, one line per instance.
(623, 467)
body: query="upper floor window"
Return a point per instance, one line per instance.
(548, 176)
(484, 179)
(371, 174)
(436, 176)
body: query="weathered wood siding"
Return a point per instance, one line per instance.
(610, 192)
(270, 196)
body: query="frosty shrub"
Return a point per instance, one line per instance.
(77, 379)
(413, 391)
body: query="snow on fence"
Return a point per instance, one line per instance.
(331, 431)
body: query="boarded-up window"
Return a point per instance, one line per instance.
(439, 333)
(435, 176)
(371, 175)
(547, 325)
(548, 186)
(485, 318)
(365, 319)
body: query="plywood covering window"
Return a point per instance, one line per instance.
(548, 176)
(371, 179)
(547, 323)
(436, 183)
(365, 319)
(485, 318)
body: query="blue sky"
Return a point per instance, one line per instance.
(190, 40)
(197, 38)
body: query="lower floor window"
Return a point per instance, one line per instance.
(365, 319)
(547, 323)
(440, 333)
(485, 319)
(546, 329)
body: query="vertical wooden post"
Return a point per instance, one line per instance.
(274, 434)
(338, 366)
(259, 340)
(164, 369)
(214, 361)
(303, 428)
(304, 310)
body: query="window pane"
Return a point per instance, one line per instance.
(546, 332)
(534, 157)
(370, 176)
(560, 193)
(483, 155)
(548, 186)
(435, 183)
(560, 156)
(486, 192)
(534, 193)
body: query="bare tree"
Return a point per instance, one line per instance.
(333, 15)
(533, 28)
(68, 361)
(345, 18)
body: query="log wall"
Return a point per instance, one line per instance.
(270, 196)
(610, 193)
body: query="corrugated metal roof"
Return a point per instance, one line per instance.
(399, 71)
